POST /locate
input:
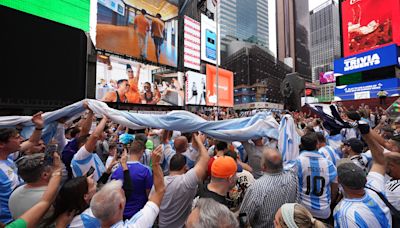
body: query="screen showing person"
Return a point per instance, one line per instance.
(144, 29)
(126, 81)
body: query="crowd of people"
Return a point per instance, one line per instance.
(97, 173)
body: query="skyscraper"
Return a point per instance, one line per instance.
(293, 26)
(325, 37)
(245, 20)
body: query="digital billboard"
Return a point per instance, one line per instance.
(368, 24)
(326, 77)
(367, 90)
(126, 81)
(145, 30)
(369, 60)
(72, 13)
(225, 87)
(209, 41)
(191, 50)
(196, 88)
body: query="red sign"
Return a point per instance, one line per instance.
(369, 24)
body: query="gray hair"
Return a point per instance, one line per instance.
(214, 215)
(105, 202)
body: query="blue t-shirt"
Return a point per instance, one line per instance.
(142, 179)
(9, 180)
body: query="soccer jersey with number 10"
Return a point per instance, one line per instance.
(315, 174)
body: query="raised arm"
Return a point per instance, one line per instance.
(33, 216)
(37, 133)
(202, 164)
(90, 145)
(158, 177)
(378, 164)
(87, 123)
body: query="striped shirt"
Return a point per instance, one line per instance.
(83, 160)
(86, 220)
(266, 195)
(367, 211)
(315, 174)
(393, 193)
(329, 153)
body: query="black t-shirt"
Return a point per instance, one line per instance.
(205, 193)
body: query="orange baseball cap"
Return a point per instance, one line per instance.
(223, 167)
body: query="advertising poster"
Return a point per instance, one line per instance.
(209, 41)
(125, 81)
(368, 60)
(367, 90)
(145, 30)
(225, 87)
(196, 88)
(191, 50)
(369, 24)
(326, 77)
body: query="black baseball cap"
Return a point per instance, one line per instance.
(351, 175)
(355, 144)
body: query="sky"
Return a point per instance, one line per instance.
(312, 4)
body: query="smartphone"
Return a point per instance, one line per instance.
(120, 149)
(50, 149)
(90, 171)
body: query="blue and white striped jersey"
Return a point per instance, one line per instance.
(315, 175)
(368, 211)
(143, 219)
(85, 220)
(82, 162)
(329, 153)
(9, 180)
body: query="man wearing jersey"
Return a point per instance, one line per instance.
(316, 176)
(393, 185)
(326, 150)
(362, 206)
(353, 149)
(84, 159)
(11, 142)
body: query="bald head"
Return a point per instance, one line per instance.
(272, 160)
(180, 144)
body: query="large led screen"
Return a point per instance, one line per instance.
(70, 12)
(209, 41)
(225, 87)
(368, 24)
(126, 81)
(145, 30)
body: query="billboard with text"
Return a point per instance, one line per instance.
(209, 41)
(191, 50)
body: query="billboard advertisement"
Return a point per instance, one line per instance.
(368, 24)
(326, 77)
(209, 41)
(191, 50)
(373, 59)
(225, 87)
(196, 88)
(367, 90)
(145, 30)
(126, 81)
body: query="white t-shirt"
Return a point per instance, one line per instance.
(83, 160)
(143, 219)
(368, 211)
